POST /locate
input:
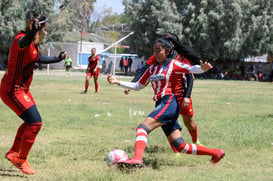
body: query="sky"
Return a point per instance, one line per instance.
(116, 5)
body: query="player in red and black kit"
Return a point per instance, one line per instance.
(183, 86)
(14, 88)
(92, 70)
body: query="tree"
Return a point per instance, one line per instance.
(149, 19)
(65, 17)
(225, 30)
(11, 23)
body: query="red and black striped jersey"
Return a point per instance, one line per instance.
(20, 67)
(93, 61)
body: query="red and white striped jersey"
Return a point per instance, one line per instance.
(163, 77)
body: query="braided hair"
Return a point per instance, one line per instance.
(182, 50)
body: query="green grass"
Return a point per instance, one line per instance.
(79, 130)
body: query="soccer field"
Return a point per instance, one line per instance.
(80, 129)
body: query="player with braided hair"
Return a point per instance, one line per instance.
(14, 88)
(163, 76)
(184, 83)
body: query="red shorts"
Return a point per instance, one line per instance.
(187, 111)
(95, 74)
(18, 101)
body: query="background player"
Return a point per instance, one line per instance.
(92, 70)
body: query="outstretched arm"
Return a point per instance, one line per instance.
(47, 60)
(196, 69)
(127, 85)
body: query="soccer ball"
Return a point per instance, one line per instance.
(116, 155)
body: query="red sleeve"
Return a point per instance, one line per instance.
(185, 60)
(180, 67)
(145, 79)
(151, 60)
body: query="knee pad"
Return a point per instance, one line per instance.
(144, 127)
(31, 115)
(179, 141)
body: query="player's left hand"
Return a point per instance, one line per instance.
(205, 66)
(62, 55)
(186, 102)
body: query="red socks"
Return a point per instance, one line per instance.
(196, 149)
(141, 141)
(96, 87)
(17, 141)
(28, 138)
(193, 134)
(86, 86)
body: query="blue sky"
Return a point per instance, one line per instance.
(116, 5)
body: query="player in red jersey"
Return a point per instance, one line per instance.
(163, 78)
(183, 87)
(14, 88)
(92, 70)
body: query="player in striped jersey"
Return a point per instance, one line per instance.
(14, 88)
(163, 78)
(184, 84)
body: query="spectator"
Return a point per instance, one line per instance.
(242, 68)
(253, 75)
(260, 68)
(130, 62)
(109, 69)
(121, 65)
(125, 64)
(103, 69)
(271, 75)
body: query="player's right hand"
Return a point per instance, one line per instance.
(112, 80)
(127, 91)
(35, 25)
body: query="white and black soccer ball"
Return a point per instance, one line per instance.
(116, 155)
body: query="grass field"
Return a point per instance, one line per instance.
(80, 129)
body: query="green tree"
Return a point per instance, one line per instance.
(149, 19)
(225, 30)
(66, 18)
(11, 22)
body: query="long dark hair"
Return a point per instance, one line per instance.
(180, 49)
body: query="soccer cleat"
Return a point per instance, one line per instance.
(198, 143)
(216, 158)
(22, 165)
(130, 163)
(11, 154)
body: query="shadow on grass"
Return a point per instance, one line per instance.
(269, 116)
(153, 160)
(266, 116)
(9, 172)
